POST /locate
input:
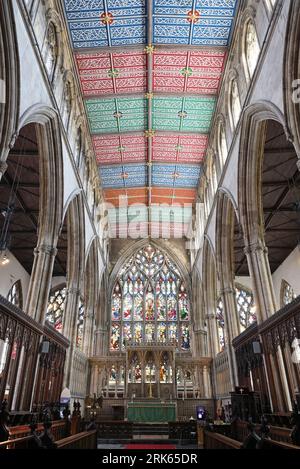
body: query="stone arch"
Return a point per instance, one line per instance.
(252, 143)
(291, 71)
(75, 218)
(225, 224)
(209, 277)
(135, 246)
(251, 153)
(91, 296)
(49, 140)
(51, 204)
(9, 82)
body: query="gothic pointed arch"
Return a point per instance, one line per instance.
(250, 160)
(292, 74)
(149, 301)
(9, 82)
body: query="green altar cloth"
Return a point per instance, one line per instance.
(151, 412)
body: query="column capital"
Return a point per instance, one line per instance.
(46, 249)
(3, 166)
(227, 290)
(210, 316)
(258, 246)
(73, 291)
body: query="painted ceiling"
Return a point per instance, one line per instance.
(150, 72)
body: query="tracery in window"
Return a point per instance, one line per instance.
(245, 307)
(252, 49)
(80, 324)
(222, 144)
(15, 296)
(235, 103)
(287, 294)
(56, 308)
(150, 302)
(52, 52)
(220, 324)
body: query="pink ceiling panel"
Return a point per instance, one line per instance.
(183, 148)
(118, 149)
(188, 71)
(108, 73)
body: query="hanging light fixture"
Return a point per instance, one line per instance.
(5, 236)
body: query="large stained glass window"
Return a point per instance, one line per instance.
(56, 308)
(150, 303)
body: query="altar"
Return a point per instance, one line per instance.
(152, 411)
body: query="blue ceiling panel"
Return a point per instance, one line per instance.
(118, 176)
(176, 176)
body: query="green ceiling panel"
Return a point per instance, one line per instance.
(183, 114)
(117, 115)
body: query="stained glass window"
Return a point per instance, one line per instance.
(15, 294)
(245, 307)
(220, 324)
(56, 308)
(80, 324)
(150, 302)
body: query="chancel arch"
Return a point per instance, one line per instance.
(9, 83)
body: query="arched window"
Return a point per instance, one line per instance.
(245, 307)
(56, 308)
(79, 147)
(251, 48)
(15, 294)
(234, 103)
(220, 324)
(150, 302)
(52, 51)
(80, 324)
(287, 295)
(222, 144)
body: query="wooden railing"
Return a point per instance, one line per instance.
(217, 441)
(240, 432)
(115, 429)
(84, 440)
(58, 430)
(17, 443)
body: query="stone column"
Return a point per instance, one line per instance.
(87, 333)
(69, 328)
(3, 168)
(40, 282)
(258, 262)
(213, 333)
(232, 330)
(206, 382)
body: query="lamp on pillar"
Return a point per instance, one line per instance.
(5, 236)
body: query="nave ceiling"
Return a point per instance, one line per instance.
(150, 74)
